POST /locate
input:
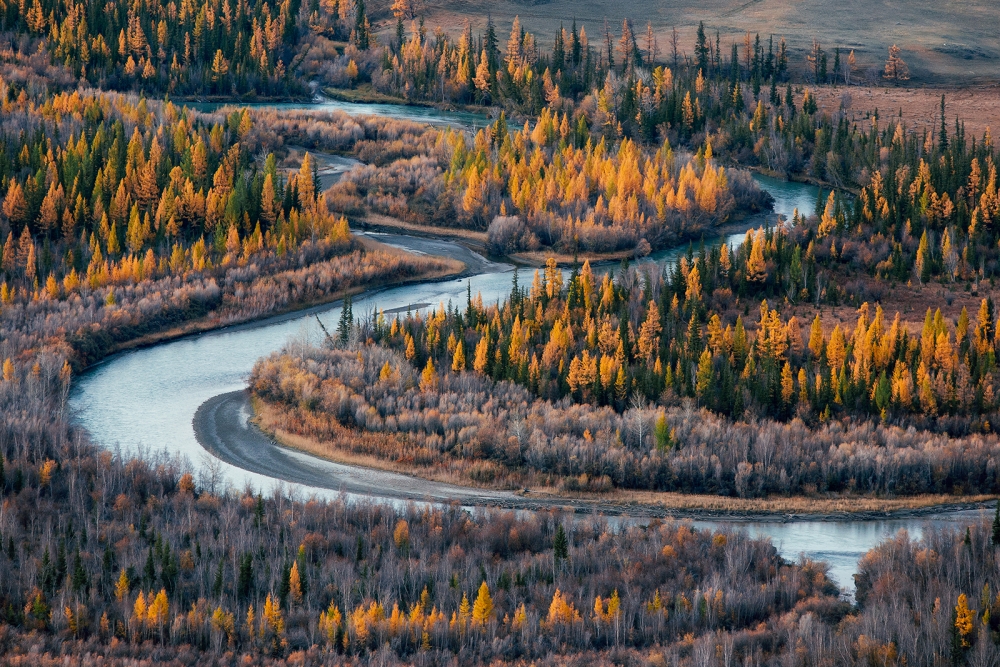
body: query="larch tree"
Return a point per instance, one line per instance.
(482, 609)
(895, 67)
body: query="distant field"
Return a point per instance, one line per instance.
(978, 107)
(943, 41)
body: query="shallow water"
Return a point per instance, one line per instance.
(420, 114)
(143, 401)
(841, 544)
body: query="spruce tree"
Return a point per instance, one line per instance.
(560, 545)
(244, 581)
(286, 585)
(80, 581)
(361, 27)
(491, 44)
(346, 321)
(943, 134)
(149, 570)
(559, 51)
(996, 525)
(701, 48)
(217, 585)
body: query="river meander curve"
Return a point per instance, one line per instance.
(144, 401)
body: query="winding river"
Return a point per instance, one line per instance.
(144, 401)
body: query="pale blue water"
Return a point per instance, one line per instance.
(422, 114)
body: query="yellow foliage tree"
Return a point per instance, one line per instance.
(329, 623)
(482, 609)
(295, 584)
(964, 618)
(561, 611)
(429, 377)
(121, 588)
(756, 267)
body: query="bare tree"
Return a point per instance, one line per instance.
(652, 48)
(673, 45)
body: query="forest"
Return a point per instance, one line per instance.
(131, 559)
(554, 187)
(789, 365)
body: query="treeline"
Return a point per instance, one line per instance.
(930, 600)
(910, 182)
(739, 94)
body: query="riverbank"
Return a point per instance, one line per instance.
(380, 222)
(251, 437)
(365, 94)
(213, 322)
(476, 240)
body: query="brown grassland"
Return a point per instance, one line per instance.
(978, 107)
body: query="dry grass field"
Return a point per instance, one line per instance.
(944, 41)
(977, 106)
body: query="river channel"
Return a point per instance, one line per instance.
(143, 402)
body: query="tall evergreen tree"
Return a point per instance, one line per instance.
(701, 48)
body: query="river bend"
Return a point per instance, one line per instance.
(144, 401)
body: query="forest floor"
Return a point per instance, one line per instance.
(217, 434)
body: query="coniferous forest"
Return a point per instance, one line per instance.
(848, 352)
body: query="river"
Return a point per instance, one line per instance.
(143, 401)
(421, 114)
